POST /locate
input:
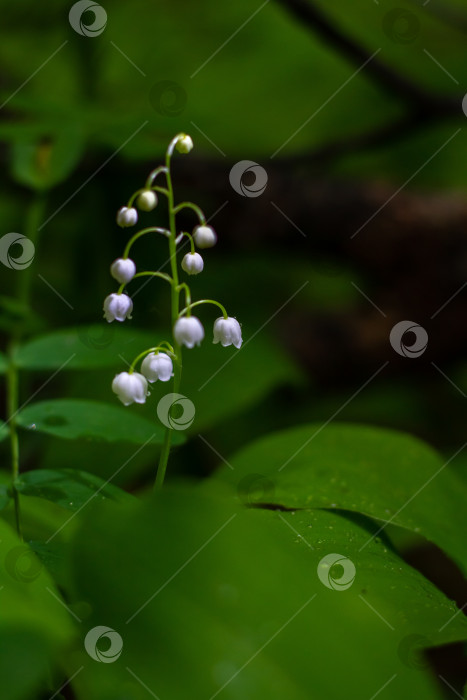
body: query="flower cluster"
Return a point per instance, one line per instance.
(163, 361)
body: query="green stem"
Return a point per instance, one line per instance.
(192, 242)
(34, 216)
(151, 229)
(147, 273)
(12, 410)
(184, 286)
(174, 299)
(152, 176)
(196, 209)
(189, 306)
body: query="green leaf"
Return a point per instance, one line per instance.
(4, 430)
(4, 496)
(69, 488)
(84, 347)
(15, 315)
(387, 475)
(235, 600)
(45, 163)
(3, 363)
(91, 420)
(34, 626)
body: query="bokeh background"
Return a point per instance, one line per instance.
(354, 115)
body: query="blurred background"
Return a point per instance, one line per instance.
(351, 219)
(346, 216)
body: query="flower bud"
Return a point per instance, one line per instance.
(147, 200)
(188, 331)
(184, 144)
(192, 263)
(157, 366)
(205, 236)
(127, 217)
(130, 388)
(123, 270)
(117, 307)
(227, 331)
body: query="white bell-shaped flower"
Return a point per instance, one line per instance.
(117, 307)
(147, 200)
(184, 144)
(193, 263)
(205, 236)
(123, 270)
(130, 388)
(188, 331)
(227, 331)
(157, 366)
(127, 216)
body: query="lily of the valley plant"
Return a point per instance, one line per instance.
(163, 361)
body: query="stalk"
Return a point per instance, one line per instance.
(174, 304)
(33, 218)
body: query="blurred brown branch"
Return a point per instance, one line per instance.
(423, 107)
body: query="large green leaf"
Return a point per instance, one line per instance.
(34, 626)
(388, 475)
(91, 420)
(235, 600)
(69, 488)
(85, 347)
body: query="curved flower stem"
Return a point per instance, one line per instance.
(184, 286)
(196, 209)
(189, 306)
(152, 176)
(148, 273)
(162, 190)
(192, 242)
(168, 346)
(161, 275)
(151, 229)
(164, 456)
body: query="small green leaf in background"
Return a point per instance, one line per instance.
(85, 347)
(15, 315)
(69, 488)
(45, 163)
(387, 475)
(235, 600)
(4, 431)
(34, 626)
(5, 486)
(92, 420)
(4, 496)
